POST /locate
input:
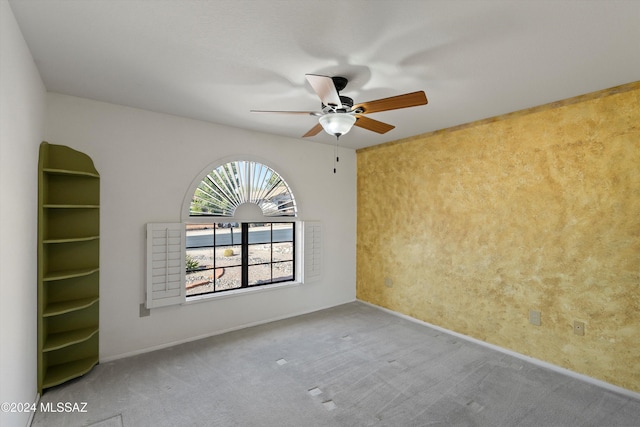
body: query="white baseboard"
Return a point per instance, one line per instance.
(611, 387)
(212, 334)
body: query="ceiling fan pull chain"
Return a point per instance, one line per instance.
(336, 154)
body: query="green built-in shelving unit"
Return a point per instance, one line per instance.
(68, 264)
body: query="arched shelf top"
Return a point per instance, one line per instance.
(220, 190)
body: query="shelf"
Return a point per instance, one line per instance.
(68, 223)
(54, 171)
(68, 274)
(70, 206)
(57, 374)
(68, 264)
(56, 308)
(65, 339)
(71, 239)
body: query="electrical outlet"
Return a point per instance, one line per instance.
(578, 327)
(535, 317)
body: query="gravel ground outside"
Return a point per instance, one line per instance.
(228, 271)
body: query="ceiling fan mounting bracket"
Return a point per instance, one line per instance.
(340, 82)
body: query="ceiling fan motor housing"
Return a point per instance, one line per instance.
(340, 83)
(346, 102)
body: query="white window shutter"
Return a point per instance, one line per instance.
(165, 264)
(312, 252)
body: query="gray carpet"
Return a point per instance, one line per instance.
(352, 365)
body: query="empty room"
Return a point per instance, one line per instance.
(319, 213)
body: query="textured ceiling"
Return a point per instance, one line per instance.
(216, 60)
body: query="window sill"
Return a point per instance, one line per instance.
(239, 292)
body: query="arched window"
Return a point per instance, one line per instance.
(235, 183)
(240, 229)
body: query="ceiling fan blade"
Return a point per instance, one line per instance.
(313, 131)
(326, 89)
(412, 99)
(305, 113)
(372, 125)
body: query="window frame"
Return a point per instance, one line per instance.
(308, 265)
(245, 264)
(187, 218)
(307, 260)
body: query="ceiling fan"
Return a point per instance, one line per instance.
(339, 114)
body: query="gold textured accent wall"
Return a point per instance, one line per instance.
(470, 228)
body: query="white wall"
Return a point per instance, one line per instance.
(21, 121)
(147, 161)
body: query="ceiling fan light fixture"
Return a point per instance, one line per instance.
(339, 114)
(337, 124)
